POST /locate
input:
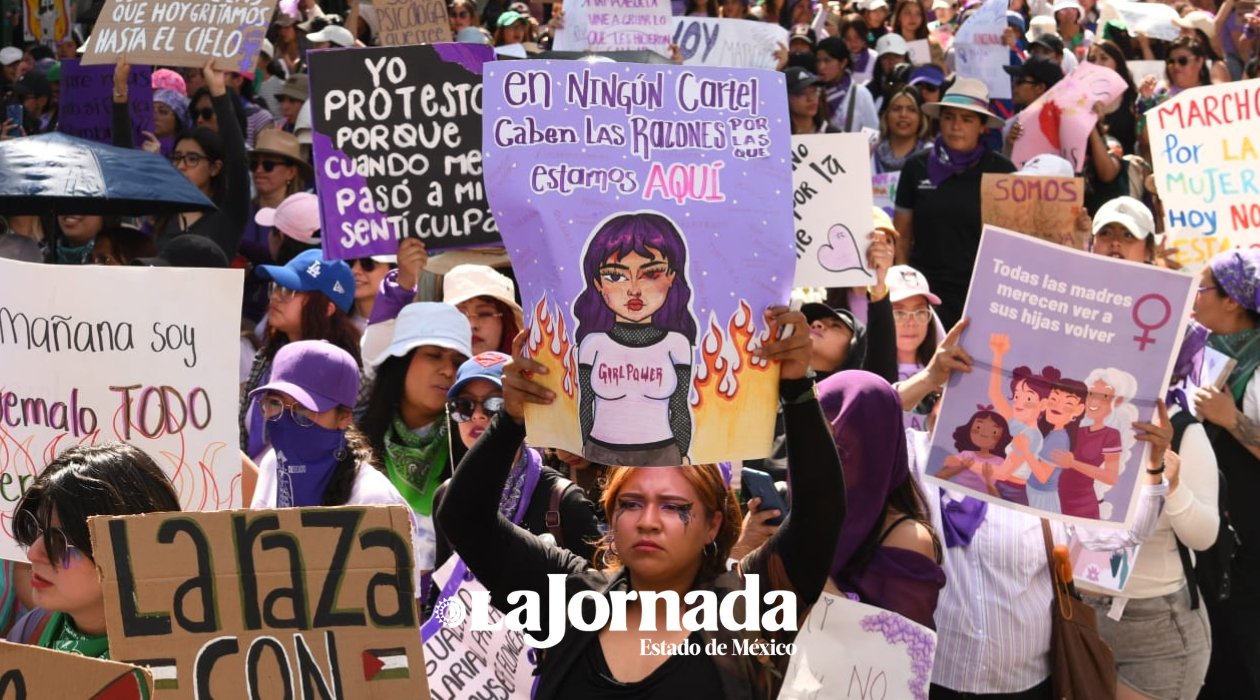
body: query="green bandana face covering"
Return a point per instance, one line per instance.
(62, 635)
(415, 464)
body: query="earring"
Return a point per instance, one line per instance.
(715, 549)
(341, 453)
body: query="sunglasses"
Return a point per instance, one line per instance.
(193, 159)
(462, 14)
(26, 529)
(368, 264)
(267, 165)
(205, 114)
(1182, 61)
(462, 410)
(281, 294)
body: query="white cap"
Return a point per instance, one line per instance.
(302, 125)
(1047, 165)
(941, 4)
(10, 55)
(1041, 24)
(1129, 213)
(904, 282)
(466, 282)
(1067, 5)
(891, 43)
(268, 48)
(429, 323)
(333, 34)
(872, 5)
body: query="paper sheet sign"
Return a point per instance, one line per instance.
(884, 190)
(1138, 70)
(1060, 120)
(1155, 19)
(642, 207)
(89, 365)
(87, 101)
(29, 672)
(920, 52)
(410, 22)
(831, 241)
(979, 52)
(1107, 571)
(613, 25)
(852, 650)
(1205, 146)
(181, 33)
(319, 599)
(734, 43)
(1045, 207)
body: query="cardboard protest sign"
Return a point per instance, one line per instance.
(687, 166)
(733, 43)
(317, 599)
(461, 662)
(615, 25)
(1205, 146)
(88, 364)
(831, 241)
(1070, 349)
(979, 52)
(920, 52)
(87, 101)
(28, 671)
(410, 22)
(1155, 19)
(397, 141)
(884, 190)
(1045, 207)
(848, 649)
(1105, 571)
(1060, 120)
(181, 33)
(46, 21)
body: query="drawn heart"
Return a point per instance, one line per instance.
(1050, 118)
(840, 253)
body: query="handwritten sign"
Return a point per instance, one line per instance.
(1060, 120)
(1140, 69)
(397, 140)
(686, 161)
(615, 25)
(410, 22)
(849, 649)
(920, 52)
(979, 52)
(1155, 19)
(90, 365)
(1056, 323)
(87, 101)
(320, 599)
(181, 33)
(831, 241)
(884, 190)
(733, 43)
(1045, 207)
(461, 662)
(31, 672)
(1205, 144)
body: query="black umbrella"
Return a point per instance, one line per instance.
(59, 174)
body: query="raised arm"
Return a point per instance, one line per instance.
(235, 204)
(1000, 343)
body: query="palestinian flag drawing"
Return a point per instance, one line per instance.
(129, 686)
(385, 664)
(163, 670)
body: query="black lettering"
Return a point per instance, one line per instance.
(401, 581)
(254, 616)
(282, 662)
(202, 583)
(310, 679)
(203, 666)
(135, 623)
(347, 520)
(13, 679)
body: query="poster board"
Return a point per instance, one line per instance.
(979, 52)
(1105, 571)
(397, 142)
(321, 600)
(884, 190)
(1205, 146)
(1070, 322)
(28, 672)
(1153, 18)
(831, 241)
(410, 22)
(181, 33)
(45, 21)
(920, 52)
(1060, 120)
(1140, 69)
(733, 43)
(698, 161)
(84, 363)
(87, 101)
(1045, 207)
(614, 25)
(851, 650)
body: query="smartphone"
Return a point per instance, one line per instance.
(15, 114)
(758, 484)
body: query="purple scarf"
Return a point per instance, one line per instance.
(944, 162)
(961, 519)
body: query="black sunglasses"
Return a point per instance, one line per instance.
(205, 114)
(267, 165)
(368, 264)
(1180, 60)
(462, 410)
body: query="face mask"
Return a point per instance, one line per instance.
(305, 460)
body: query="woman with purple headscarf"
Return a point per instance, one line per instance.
(636, 336)
(889, 556)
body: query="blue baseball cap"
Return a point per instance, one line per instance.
(309, 272)
(487, 366)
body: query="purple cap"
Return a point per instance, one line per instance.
(487, 366)
(316, 373)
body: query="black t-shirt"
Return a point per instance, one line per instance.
(947, 226)
(681, 677)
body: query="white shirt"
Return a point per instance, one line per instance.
(633, 386)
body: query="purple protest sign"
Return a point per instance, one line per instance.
(648, 214)
(1070, 349)
(87, 101)
(397, 141)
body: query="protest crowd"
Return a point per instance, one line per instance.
(412, 370)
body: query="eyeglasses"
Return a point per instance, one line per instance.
(26, 529)
(1182, 61)
(462, 410)
(1204, 289)
(272, 408)
(204, 114)
(193, 159)
(267, 165)
(901, 317)
(482, 316)
(280, 293)
(462, 14)
(368, 264)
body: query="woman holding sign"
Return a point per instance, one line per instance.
(671, 530)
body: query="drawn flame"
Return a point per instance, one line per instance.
(550, 346)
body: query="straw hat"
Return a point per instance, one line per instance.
(279, 142)
(969, 94)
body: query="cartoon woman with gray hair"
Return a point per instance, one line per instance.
(1099, 450)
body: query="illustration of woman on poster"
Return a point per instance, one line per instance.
(1100, 449)
(1061, 411)
(1021, 411)
(636, 337)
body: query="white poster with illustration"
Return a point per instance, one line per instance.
(831, 240)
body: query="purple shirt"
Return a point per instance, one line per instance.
(1076, 490)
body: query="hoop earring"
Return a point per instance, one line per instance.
(341, 453)
(715, 549)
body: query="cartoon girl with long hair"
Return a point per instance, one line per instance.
(1061, 412)
(1099, 450)
(1021, 411)
(636, 337)
(981, 443)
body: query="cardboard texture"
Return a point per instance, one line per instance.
(300, 603)
(1045, 207)
(181, 33)
(35, 673)
(409, 22)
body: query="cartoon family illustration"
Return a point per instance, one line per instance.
(636, 336)
(1056, 444)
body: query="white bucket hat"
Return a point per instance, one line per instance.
(429, 323)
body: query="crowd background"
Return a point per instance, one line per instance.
(382, 373)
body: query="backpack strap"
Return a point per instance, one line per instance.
(1181, 421)
(552, 519)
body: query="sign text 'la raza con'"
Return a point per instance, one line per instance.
(292, 603)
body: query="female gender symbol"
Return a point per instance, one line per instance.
(1146, 338)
